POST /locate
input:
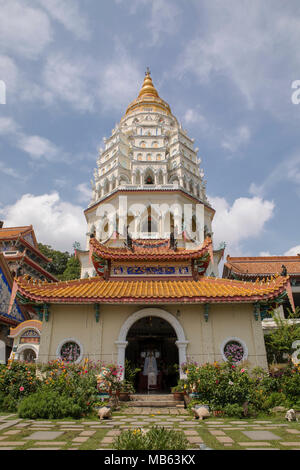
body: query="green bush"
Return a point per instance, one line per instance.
(157, 438)
(274, 399)
(234, 411)
(290, 384)
(2, 398)
(48, 405)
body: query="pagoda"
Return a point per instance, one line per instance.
(149, 289)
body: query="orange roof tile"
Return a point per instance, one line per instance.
(98, 290)
(152, 249)
(262, 265)
(14, 232)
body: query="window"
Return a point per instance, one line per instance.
(234, 349)
(70, 351)
(149, 225)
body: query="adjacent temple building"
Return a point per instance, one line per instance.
(150, 286)
(19, 255)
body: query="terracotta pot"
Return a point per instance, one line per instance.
(178, 396)
(124, 396)
(218, 413)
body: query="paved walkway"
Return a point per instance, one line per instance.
(219, 434)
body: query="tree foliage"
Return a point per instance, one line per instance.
(279, 342)
(63, 265)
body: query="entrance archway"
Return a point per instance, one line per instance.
(153, 335)
(179, 339)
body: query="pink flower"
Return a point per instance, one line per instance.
(21, 389)
(242, 370)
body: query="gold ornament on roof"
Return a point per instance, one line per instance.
(148, 97)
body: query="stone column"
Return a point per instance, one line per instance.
(182, 345)
(2, 352)
(44, 349)
(121, 345)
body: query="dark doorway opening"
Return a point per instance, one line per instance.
(153, 336)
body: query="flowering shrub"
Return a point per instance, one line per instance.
(75, 382)
(219, 384)
(17, 380)
(226, 384)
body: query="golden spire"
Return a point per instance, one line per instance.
(148, 88)
(148, 97)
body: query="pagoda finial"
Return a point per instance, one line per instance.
(148, 88)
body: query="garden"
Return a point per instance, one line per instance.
(63, 389)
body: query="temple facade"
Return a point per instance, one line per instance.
(22, 255)
(150, 290)
(19, 255)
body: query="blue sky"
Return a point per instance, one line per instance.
(226, 68)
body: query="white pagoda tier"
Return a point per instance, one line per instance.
(148, 177)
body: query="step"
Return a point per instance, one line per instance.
(152, 396)
(155, 404)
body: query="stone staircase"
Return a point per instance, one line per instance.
(154, 400)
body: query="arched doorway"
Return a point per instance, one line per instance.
(153, 336)
(180, 340)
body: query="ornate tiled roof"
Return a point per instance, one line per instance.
(261, 265)
(152, 249)
(205, 290)
(25, 324)
(14, 232)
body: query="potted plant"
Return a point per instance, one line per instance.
(125, 390)
(178, 392)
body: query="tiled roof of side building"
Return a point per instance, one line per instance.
(204, 290)
(262, 265)
(14, 232)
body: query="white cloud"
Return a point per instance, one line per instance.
(68, 13)
(118, 81)
(252, 45)
(35, 146)
(194, 117)
(85, 192)
(70, 80)
(56, 223)
(8, 126)
(12, 172)
(234, 140)
(164, 19)
(243, 220)
(293, 251)
(24, 30)
(287, 170)
(9, 73)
